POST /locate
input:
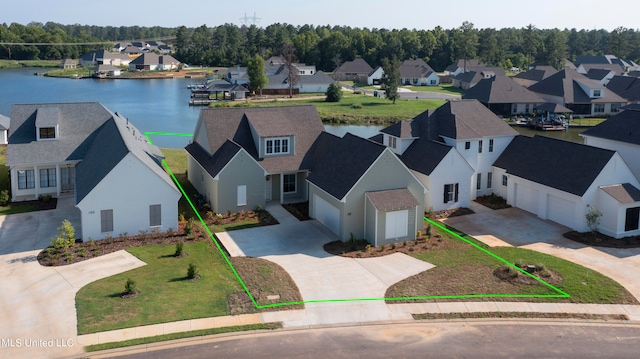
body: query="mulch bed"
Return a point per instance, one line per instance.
(449, 213)
(264, 218)
(511, 275)
(39, 205)
(492, 201)
(602, 240)
(298, 210)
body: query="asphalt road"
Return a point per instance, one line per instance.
(505, 339)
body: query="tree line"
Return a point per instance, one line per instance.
(326, 47)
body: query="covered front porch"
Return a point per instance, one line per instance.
(290, 187)
(31, 182)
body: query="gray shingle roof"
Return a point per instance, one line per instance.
(77, 125)
(5, 122)
(215, 163)
(392, 200)
(336, 173)
(151, 58)
(424, 155)
(566, 84)
(539, 73)
(625, 193)
(563, 165)
(415, 69)
(120, 138)
(467, 119)
(460, 64)
(357, 66)
(302, 122)
(501, 89)
(403, 129)
(627, 87)
(623, 127)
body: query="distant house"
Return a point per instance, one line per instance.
(356, 70)
(68, 64)
(107, 70)
(375, 76)
(60, 148)
(580, 94)
(627, 87)
(603, 76)
(619, 133)
(586, 68)
(279, 84)
(368, 193)
(462, 66)
(623, 64)
(503, 96)
(104, 57)
(466, 80)
(152, 62)
(218, 90)
(534, 75)
(418, 73)
(4, 129)
(571, 179)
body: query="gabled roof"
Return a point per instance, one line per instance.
(120, 138)
(617, 69)
(302, 122)
(4, 122)
(460, 64)
(215, 163)
(625, 193)
(392, 200)
(403, 129)
(501, 89)
(603, 59)
(336, 173)
(466, 119)
(563, 165)
(151, 58)
(357, 66)
(623, 127)
(425, 155)
(538, 73)
(566, 84)
(374, 70)
(415, 69)
(93, 55)
(281, 78)
(598, 74)
(77, 126)
(627, 87)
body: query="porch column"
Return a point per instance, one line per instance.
(58, 179)
(36, 180)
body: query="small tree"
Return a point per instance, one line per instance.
(178, 252)
(257, 77)
(334, 93)
(66, 237)
(130, 286)
(192, 271)
(593, 218)
(391, 78)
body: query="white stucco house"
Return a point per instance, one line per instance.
(375, 77)
(4, 129)
(97, 156)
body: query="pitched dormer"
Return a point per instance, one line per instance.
(47, 124)
(399, 136)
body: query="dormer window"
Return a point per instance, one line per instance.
(392, 142)
(47, 133)
(277, 146)
(597, 93)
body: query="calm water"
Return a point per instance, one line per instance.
(572, 134)
(151, 105)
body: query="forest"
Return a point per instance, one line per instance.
(326, 47)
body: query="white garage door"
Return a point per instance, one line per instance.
(396, 224)
(526, 198)
(561, 211)
(326, 214)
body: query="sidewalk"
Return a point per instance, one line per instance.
(353, 313)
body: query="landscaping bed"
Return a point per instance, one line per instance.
(299, 210)
(493, 201)
(602, 240)
(220, 222)
(436, 216)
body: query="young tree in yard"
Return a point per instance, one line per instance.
(391, 78)
(257, 77)
(593, 218)
(66, 236)
(334, 93)
(289, 55)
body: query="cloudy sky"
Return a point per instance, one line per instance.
(411, 14)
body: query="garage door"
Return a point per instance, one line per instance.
(561, 211)
(526, 198)
(326, 214)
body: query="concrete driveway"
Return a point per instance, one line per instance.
(327, 280)
(518, 228)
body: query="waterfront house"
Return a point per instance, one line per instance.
(418, 73)
(356, 70)
(152, 62)
(4, 129)
(503, 96)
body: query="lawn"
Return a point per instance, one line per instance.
(463, 270)
(176, 159)
(587, 121)
(356, 109)
(447, 89)
(71, 73)
(165, 294)
(7, 64)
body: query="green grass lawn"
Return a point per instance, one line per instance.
(447, 89)
(361, 109)
(7, 64)
(587, 121)
(165, 295)
(77, 72)
(469, 267)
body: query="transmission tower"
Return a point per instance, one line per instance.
(250, 20)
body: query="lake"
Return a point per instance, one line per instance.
(151, 104)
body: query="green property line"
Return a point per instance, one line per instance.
(215, 240)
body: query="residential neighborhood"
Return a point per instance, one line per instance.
(323, 194)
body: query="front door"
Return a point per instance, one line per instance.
(67, 178)
(269, 189)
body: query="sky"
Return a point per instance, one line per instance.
(410, 14)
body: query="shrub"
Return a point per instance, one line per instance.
(393, 246)
(130, 286)
(211, 216)
(334, 93)
(178, 252)
(192, 271)
(356, 106)
(593, 218)
(188, 228)
(258, 207)
(382, 248)
(45, 198)
(82, 252)
(429, 231)
(66, 237)
(367, 247)
(4, 197)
